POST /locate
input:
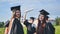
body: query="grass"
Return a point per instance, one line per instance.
(57, 30)
(2, 30)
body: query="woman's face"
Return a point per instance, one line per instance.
(18, 14)
(41, 17)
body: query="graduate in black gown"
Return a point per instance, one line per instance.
(51, 29)
(15, 26)
(42, 26)
(30, 26)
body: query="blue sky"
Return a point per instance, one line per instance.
(52, 6)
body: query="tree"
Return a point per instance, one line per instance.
(1, 24)
(57, 20)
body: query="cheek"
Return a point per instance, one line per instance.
(17, 13)
(41, 18)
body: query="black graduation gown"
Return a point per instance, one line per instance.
(48, 29)
(16, 27)
(51, 28)
(30, 29)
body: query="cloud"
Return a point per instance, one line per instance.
(14, 1)
(37, 1)
(46, 0)
(11, 1)
(27, 1)
(51, 6)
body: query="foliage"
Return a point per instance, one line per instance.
(57, 20)
(1, 24)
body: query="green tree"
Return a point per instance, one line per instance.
(1, 24)
(57, 20)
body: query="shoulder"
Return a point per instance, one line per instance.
(36, 22)
(6, 24)
(49, 23)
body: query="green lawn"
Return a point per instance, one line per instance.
(2, 30)
(57, 30)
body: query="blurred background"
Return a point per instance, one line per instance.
(51, 6)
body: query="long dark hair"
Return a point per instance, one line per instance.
(40, 28)
(12, 18)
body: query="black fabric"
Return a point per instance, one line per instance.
(48, 29)
(16, 27)
(31, 30)
(7, 23)
(52, 29)
(41, 30)
(15, 8)
(43, 12)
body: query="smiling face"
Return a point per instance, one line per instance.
(41, 17)
(18, 13)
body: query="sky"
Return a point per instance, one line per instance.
(51, 6)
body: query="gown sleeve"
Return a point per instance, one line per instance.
(6, 23)
(52, 28)
(26, 22)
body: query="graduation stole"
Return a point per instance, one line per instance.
(24, 28)
(10, 25)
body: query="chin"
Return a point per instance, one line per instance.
(40, 19)
(18, 16)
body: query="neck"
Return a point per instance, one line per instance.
(18, 18)
(41, 21)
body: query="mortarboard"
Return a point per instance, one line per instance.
(15, 8)
(43, 12)
(32, 18)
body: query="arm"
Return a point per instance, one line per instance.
(6, 30)
(26, 13)
(51, 26)
(6, 25)
(25, 21)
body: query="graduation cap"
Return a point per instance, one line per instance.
(43, 12)
(14, 8)
(32, 18)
